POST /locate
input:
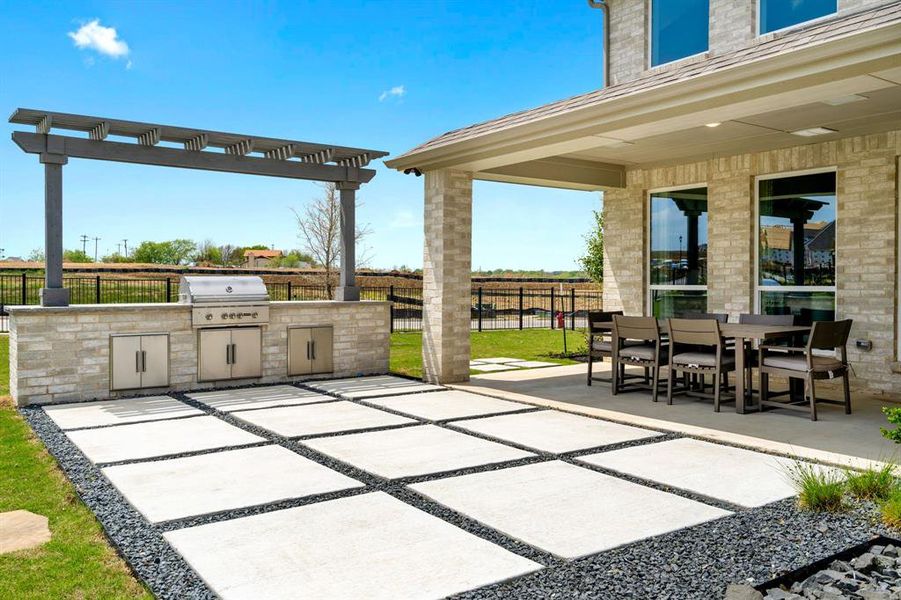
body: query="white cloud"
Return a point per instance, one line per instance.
(397, 91)
(404, 219)
(105, 40)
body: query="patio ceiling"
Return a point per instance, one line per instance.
(848, 80)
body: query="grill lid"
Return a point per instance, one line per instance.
(219, 289)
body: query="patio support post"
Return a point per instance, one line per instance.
(347, 289)
(447, 266)
(692, 248)
(798, 250)
(53, 293)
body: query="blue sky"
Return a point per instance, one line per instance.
(384, 75)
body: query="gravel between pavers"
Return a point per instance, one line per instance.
(694, 563)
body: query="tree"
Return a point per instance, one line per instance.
(207, 253)
(231, 255)
(115, 257)
(592, 261)
(76, 256)
(171, 252)
(36, 255)
(319, 231)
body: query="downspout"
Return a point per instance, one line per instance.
(602, 4)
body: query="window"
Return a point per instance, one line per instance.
(779, 14)
(678, 29)
(796, 249)
(678, 251)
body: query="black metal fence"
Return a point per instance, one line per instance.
(491, 308)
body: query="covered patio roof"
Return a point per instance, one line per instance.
(842, 74)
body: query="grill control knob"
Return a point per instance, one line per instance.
(239, 315)
(224, 315)
(231, 315)
(209, 316)
(254, 315)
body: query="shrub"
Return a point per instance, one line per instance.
(818, 488)
(871, 484)
(891, 509)
(893, 414)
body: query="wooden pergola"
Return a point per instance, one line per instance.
(187, 148)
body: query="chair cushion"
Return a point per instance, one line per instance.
(607, 345)
(798, 362)
(703, 359)
(641, 352)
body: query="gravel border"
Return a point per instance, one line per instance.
(752, 545)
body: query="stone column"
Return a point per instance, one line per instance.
(53, 293)
(347, 289)
(447, 263)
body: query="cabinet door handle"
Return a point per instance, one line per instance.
(313, 350)
(137, 361)
(308, 350)
(234, 353)
(228, 354)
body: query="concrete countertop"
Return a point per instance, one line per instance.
(75, 308)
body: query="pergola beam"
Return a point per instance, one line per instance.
(74, 147)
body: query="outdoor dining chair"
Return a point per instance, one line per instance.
(600, 340)
(804, 363)
(719, 317)
(636, 342)
(697, 347)
(749, 319)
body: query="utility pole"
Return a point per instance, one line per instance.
(96, 239)
(126, 247)
(84, 244)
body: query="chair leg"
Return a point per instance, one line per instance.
(670, 375)
(764, 390)
(809, 387)
(615, 378)
(655, 379)
(847, 388)
(646, 376)
(589, 368)
(716, 392)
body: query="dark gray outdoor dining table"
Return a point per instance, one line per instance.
(740, 332)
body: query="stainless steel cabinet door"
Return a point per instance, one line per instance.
(214, 354)
(321, 349)
(299, 342)
(125, 362)
(247, 349)
(154, 360)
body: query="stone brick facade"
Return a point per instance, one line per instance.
(628, 39)
(63, 354)
(447, 264)
(866, 244)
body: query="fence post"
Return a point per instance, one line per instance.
(391, 308)
(520, 307)
(572, 307)
(289, 289)
(553, 308)
(24, 289)
(480, 308)
(97, 290)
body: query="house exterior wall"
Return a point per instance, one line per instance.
(60, 354)
(732, 25)
(447, 266)
(866, 242)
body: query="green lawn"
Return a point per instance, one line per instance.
(77, 562)
(528, 344)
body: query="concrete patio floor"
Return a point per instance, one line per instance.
(835, 437)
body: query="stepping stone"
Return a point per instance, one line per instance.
(117, 412)
(21, 530)
(449, 404)
(414, 451)
(258, 397)
(371, 387)
(196, 485)
(492, 368)
(498, 360)
(475, 363)
(564, 509)
(742, 477)
(554, 431)
(532, 364)
(316, 419)
(160, 438)
(366, 546)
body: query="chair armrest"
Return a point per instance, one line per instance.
(776, 347)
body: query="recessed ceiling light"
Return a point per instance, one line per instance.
(845, 100)
(812, 131)
(712, 124)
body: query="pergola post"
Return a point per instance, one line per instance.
(347, 289)
(798, 250)
(53, 293)
(447, 266)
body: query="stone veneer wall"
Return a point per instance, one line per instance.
(62, 354)
(447, 265)
(866, 244)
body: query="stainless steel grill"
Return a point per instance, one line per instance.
(225, 300)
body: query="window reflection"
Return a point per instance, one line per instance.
(678, 29)
(778, 14)
(679, 237)
(797, 230)
(806, 306)
(676, 303)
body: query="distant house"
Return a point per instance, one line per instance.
(260, 258)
